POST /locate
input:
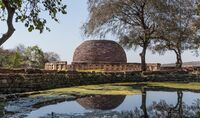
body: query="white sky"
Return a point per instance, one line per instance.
(66, 36)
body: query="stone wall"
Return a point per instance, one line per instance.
(25, 71)
(107, 67)
(60, 65)
(104, 67)
(113, 67)
(11, 83)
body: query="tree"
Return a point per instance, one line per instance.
(30, 13)
(20, 48)
(34, 57)
(4, 57)
(26, 57)
(51, 56)
(177, 30)
(130, 20)
(15, 60)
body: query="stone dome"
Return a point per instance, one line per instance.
(99, 51)
(101, 102)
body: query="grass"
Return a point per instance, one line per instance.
(97, 70)
(117, 88)
(104, 89)
(191, 86)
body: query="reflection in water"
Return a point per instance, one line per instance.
(143, 106)
(1, 108)
(177, 110)
(164, 110)
(149, 104)
(101, 102)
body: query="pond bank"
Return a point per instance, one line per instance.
(96, 95)
(13, 83)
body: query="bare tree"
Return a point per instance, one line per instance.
(130, 20)
(51, 56)
(178, 32)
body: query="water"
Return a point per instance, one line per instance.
(152, 104)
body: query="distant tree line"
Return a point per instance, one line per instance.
(156, 25)
(26, 57)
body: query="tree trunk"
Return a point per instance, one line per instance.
(11, 29)
(178, 60)
(143, 59)
(143, 106)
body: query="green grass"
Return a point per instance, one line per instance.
(97, 70)
(191, 86)
(104, 89)
(117, 88)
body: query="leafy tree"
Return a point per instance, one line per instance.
(177, 30)
(29, 12)
(26, 57)
(4, 57)
(2, 60)
(34, 57)
(15, 60)
(130, 20)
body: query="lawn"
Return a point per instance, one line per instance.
(117, 88)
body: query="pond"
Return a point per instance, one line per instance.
(152, 102)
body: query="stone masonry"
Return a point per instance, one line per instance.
(100, 55)
(99, 51)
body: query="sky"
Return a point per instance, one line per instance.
(66, 35)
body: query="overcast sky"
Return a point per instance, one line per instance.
(66, 36)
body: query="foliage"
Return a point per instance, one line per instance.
(30, 13)
(159, 25)
(177, 29)
(132, 21)
(26, 57)
(15, 60)
(34, 57)
(51, 56)
(4, 54)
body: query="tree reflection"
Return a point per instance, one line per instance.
(106, 106)
(177, 109)
(143, 106)
(1, 108)
(164, 110)
(159, 109)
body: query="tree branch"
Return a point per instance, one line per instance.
(10, 26)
